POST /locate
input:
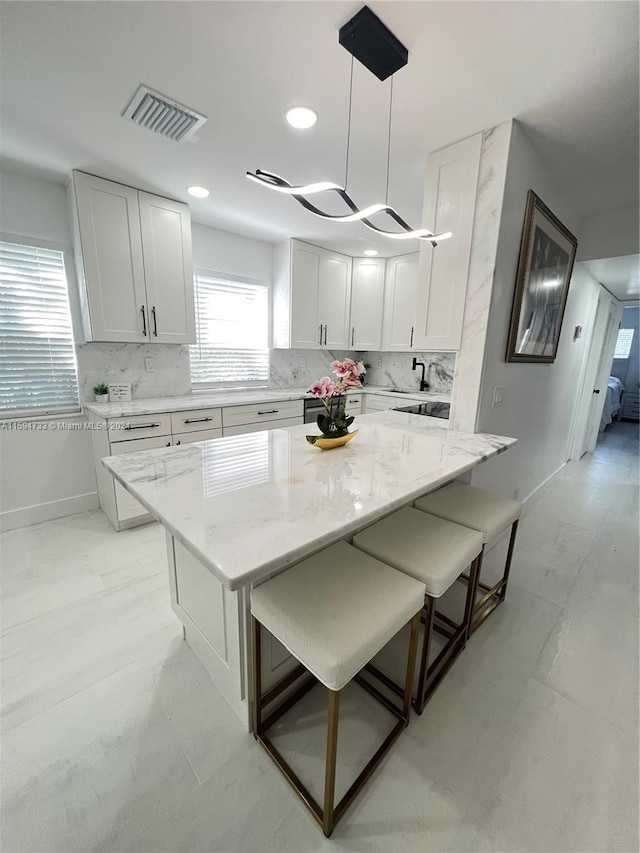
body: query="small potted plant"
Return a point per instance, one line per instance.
(101, 392)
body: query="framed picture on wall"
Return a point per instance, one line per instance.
(547, 253)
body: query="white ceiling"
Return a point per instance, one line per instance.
(621, 276)
(567, 70)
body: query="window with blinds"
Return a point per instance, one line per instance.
(232, 320)
(37, 358)
(623, 343)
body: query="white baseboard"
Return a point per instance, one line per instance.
(543, 483)
(13, 518)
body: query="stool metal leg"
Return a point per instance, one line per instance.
(507, 568)
(430, 610)
(333, 709)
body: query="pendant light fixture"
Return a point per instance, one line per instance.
(374, 45)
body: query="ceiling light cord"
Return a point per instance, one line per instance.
(346, 165)
(386, 191)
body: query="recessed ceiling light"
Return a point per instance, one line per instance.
(198, 192)
(371, 252)
(301, 117)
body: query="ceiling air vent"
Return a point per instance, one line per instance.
(163, 115)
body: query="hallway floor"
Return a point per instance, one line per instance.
(115, 740)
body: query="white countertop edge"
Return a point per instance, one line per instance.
(219, 399)
(292, 557)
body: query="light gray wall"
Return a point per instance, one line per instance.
(540, 399)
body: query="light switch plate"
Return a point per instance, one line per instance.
(149, 364)
(498, 396)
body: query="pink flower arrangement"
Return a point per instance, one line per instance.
(348, 373)
(335, 423)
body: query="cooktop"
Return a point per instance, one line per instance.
(431, 410)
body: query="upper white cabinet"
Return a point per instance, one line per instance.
(450, 200)
(367, 299)
(400, 300)
(311, 297)
(133, 253)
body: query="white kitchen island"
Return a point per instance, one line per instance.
(239, 509)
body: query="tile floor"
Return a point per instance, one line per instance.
(115, 740)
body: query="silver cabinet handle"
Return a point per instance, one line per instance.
(197, 420)
(269, 412)
(142, 426)
(144, 321)
(155, 322)
(411, 343)
(320, 341)
(325, 334)
(353, 332)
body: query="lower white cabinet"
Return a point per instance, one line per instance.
(126, 505)
(196, 435)
(257, 427)
(382, 402)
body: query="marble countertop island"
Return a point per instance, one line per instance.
(248, 505)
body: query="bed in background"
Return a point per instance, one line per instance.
(612, 402)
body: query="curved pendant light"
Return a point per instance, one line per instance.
(275, 182)
(397, 56)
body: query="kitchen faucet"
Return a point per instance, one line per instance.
(424, 385)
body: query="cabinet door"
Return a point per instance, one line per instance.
(166, 247)
(305, 278)
(367, 295)
(108, 224)
(334, 296)
(127, 506)
(198, 435)
(400, 300)
(449, 205)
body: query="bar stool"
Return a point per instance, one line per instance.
(491, 515)
(333, 611)
(435, 552)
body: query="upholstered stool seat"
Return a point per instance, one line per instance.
(333, 612)
(488, 513)
(436, 552)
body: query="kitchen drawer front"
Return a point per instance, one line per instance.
(354, 405)
(138, 426)
(127, 506)
(242, 428)
(197, 435)
(236, 415)
(196, 420)
(376, 403)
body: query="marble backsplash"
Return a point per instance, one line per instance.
(107, 362)
(299, 368)
(395, 369)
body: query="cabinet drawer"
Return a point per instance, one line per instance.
(242, 428)
(138, 426)
(354, 405)
(196, 420)
(377, 403)
(236, 415)
(197, 435)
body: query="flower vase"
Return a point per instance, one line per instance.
(334, 425)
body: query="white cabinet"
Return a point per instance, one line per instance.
(311, 297)
(400, 301)
(262, 425)
(367, 299)
(127, 506)
(133, 253)
(449, 205)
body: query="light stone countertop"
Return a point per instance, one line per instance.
(249, 505)
(214, 399)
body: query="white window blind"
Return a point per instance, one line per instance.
(232, 319)
(37, 357)
(623, 344)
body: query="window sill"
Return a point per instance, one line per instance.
(34, 416)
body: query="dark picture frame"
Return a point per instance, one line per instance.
(545, 264)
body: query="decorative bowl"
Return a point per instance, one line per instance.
(324, 443)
